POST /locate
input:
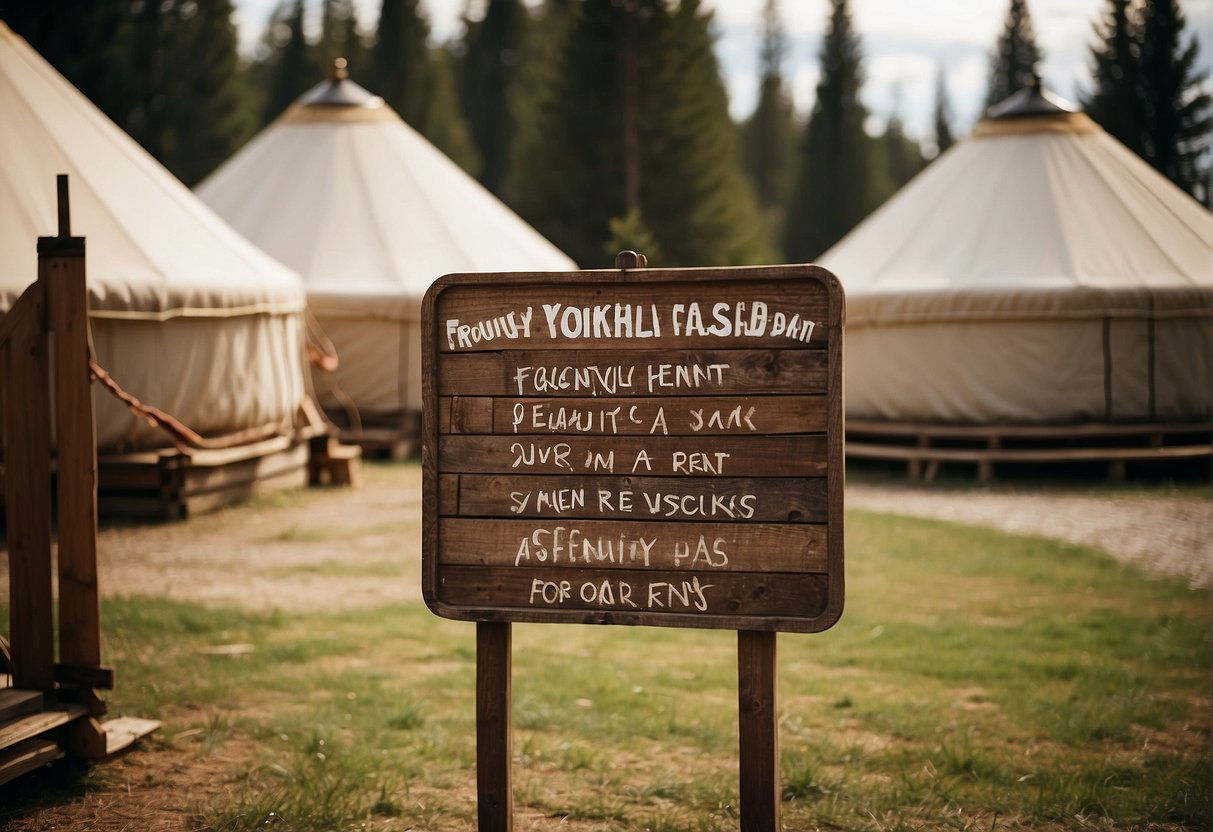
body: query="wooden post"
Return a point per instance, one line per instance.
(758, 720)
(61, 272)
(495, 807)
(27, 453)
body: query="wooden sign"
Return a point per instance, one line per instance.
(655, 447)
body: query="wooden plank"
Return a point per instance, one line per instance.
(494, 780)
(673, 416)
(705, 548)
(633, 372)
(27, 445)
(740, 499)
(741, 456)
(200, 477)
(15, 703)
(85, 676)
(200, 503)
(39, 723)
(27, 756)
(61, 269)
(122, 732)
(218, 457)
(628, 596)
(758, 729)
(867, 450)
(766, 314)
(981, 432)
(21, 307)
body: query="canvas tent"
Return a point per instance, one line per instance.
(342, 190)
(186, 315)
(1038, 272)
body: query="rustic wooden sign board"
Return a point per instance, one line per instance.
(634, 447)
(656, 447)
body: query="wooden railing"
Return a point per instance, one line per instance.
(44, 358)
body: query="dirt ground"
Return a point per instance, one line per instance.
(332, 548)
(323, 548)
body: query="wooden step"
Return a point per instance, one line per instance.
(26, 756)
(16, 703)
(32, 725)
(122, 732)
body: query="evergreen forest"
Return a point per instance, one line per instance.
(605, 123)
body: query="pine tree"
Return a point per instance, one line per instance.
(208, 113)
(1116, 100)
(632, 139)
(442, 120)
(166, 72)
(493, 52)
(1177, 108)
(1016, 55)
(400, 58)
(902, 156)
(834, 187)
(88, 41)
(290, 71)
(944, 138)
(339, 36)
(417, 84)
(694, 195)
(569, 177)
(538, 76)
(767, 137)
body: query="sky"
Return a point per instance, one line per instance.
(904, 44)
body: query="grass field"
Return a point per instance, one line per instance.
(976, 681)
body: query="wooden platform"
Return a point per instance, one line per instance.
(925, 447)
(170, 485)
(394, 436)
(34, 734)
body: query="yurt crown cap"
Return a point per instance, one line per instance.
(1032, 100)
(339, 91)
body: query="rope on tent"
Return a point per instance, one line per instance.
(323, 354)
(321, 350)
(184, 438)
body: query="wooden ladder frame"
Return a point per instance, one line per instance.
(54, 311)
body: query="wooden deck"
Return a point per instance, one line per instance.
(925, 447)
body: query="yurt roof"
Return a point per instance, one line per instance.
(154, 250)
(370, 213)
(1039, 212)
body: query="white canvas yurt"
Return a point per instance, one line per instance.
(186, 315)
(342, 190)
(1037, 273)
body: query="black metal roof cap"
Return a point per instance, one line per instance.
(1033, 100)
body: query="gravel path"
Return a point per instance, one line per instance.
(1169, 535)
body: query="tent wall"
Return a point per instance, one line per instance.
(1032, 371)
(379, 364)
(217, 375)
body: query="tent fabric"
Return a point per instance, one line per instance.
(342, 190)
(186, 314)
(1037, 272)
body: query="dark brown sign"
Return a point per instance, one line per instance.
(658, 447)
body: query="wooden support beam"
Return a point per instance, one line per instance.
(85, 676)
(758, 722)
(61, 271)
(495, 809)
(27, 446)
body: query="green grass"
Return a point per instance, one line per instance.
(976, 681)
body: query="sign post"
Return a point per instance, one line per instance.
(644, 447)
